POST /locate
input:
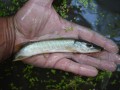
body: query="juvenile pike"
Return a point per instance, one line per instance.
(57, 45)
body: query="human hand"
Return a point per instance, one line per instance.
(38, 20)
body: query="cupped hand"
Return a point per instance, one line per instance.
(38, 20)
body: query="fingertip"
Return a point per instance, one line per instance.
(111, 46)
(88, 71)
(104, 42)
(108, 66)
(76, 68)
(117, 59)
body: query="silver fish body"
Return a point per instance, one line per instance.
(58, 45)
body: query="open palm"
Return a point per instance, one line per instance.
(37, 20)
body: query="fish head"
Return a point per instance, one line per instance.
(87, 47)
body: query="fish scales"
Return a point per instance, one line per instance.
(51, 46)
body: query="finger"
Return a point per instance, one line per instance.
(59, 61)
(107, 56)
(100, 64)
(38, 60)
(98, 39)
(91, 36)
(76, 68)
(46, 60)
(46, 3)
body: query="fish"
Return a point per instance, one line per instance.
(56, 45)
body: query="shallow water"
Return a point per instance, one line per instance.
(19, 76)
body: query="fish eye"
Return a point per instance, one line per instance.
(89, 45)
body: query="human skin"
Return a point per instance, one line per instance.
(38, 20)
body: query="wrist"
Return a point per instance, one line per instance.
(7, 32)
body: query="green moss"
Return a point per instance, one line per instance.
(10, 7)
(53, 71)
(84, 2)
(14, 87)
(28, 75)
(78, 82)
(89, 5)
(62, 9)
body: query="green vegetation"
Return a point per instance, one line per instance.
(89, 4)
(10, 7)
(84, 2)
(14, 87)
(62, 9)
(77, 82)
(28, 75)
